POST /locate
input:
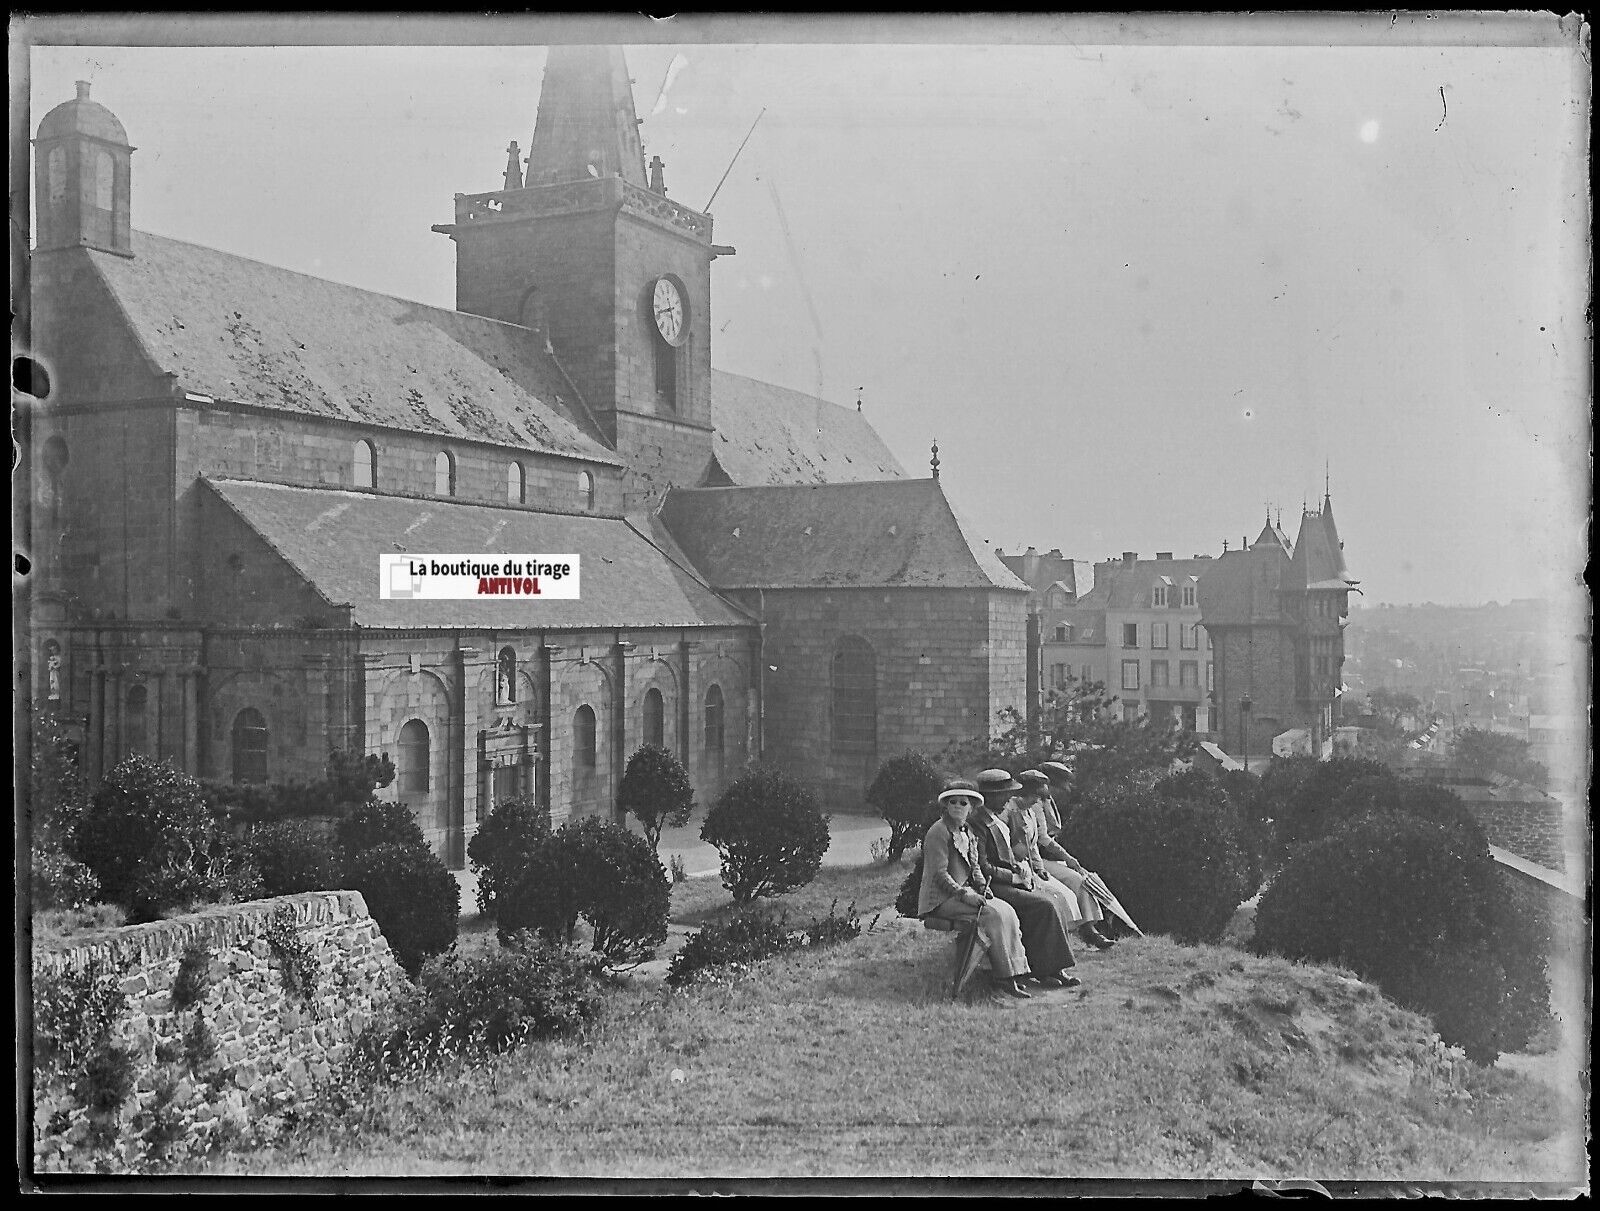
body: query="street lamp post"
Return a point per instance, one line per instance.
(1244, 730)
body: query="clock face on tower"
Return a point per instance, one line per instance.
(667, 304)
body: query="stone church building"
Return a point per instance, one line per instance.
(227, 449)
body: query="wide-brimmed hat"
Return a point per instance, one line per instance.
(1032, 778)
(959, 788)
(995, 781)
(1056, 771)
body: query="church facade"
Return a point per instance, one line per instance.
(228, 448)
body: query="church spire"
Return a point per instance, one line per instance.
(586, 126)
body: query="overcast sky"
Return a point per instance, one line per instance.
(1136, 291)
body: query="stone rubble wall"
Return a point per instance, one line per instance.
(271, 1046)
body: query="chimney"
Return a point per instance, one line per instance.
(1167, 555)
(1128, 558)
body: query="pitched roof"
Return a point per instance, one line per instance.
(771, 435)
(1128, 588)
(1318, 557)
(1242, 586)
(885, 534)
(627, 578)
(243, 331)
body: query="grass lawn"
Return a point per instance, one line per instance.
(870, 888)
(1170, 1062)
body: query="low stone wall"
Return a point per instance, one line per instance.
(247, 1048)
(1530, 830)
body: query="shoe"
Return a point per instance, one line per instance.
(1068, 981)
(1012, 989)
(1095, 938)
(1052, 982)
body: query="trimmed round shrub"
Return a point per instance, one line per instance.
(597, 871)
(143, 814)
(1389, 794)
(1175, 864)
(292, 856)
(906, 794)
(769, 832)
(911, 891)
(1418, 909)
(1230, 796)
(656, 791)
(377, 822)
(504, 844)
(412, 897)
(1305, 812)
(747, 937)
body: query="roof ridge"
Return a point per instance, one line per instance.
(514, 510)
(812, 486)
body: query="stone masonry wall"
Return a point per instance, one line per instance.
(1530, 830)
(270, 1046)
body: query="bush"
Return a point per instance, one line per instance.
(906, 794)
(833, 928)
(656, 792)
(599, 872)
(523, 989)
(504, 844)
(1304, 813)
(1416, 908)
(1389, 794)
(769, 832)
(746, 937)
(412, 897)
(292, 856)
(1175, 864)
(376, 823)
(143, 815)
(910, 891)
(1231, 797)
(60, 881)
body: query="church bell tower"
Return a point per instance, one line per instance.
(82, 177)
(607, 271)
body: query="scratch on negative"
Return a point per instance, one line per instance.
(1445, 107)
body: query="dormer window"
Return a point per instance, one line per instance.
(1158, 597)
(1188, 597)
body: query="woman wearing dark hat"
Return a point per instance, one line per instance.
(954, 887)
(1061, 864)
(1046, 914)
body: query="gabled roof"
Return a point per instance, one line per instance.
(242, 331)
(771, 435)
(887, 534)
(627, 577)
(1121, 587)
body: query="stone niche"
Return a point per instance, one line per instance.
(269, 1046)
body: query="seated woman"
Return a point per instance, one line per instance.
(953, 887)
(1038, 787)
(1046, 913)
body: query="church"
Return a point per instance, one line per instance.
(227, 449)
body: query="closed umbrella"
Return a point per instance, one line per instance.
(1102, 893)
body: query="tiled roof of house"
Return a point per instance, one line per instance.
(771, 435)
(889, 534)
(243, 331)
(1121, 587)
(1318, 557)
(1241, 586)
(627, 574)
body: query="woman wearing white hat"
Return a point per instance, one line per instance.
(954, 887)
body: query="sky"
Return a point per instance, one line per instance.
(1139, 285)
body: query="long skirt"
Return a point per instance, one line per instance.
(1089, 910)
(999, 933)
(1045, 925)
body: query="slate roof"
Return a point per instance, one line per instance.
(771, 435)
(243, 331)
(626, 576)
(1119, 587)
(1318, 558)
(885, 534)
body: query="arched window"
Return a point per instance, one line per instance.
(138, 732)
(655, 718)
(666, 375)
(583, 738)
(56, 170)
(714, 730)
(516, 484)
(444, 474)
(104, 179)
(249, 746)
(505, 676)
(365, 466)
(855, 694)
(413, 775)
(585, 491)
